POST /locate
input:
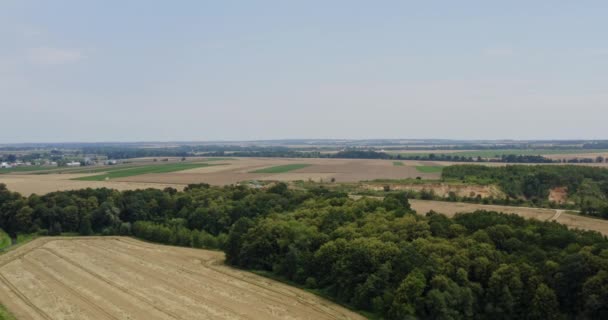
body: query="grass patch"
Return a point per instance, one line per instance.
(398, 163)
(5, 315)
(281, 169)
(5, 240)
(135, 171)
(429, 169)
(25, 169)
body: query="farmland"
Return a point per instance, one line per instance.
(143, 173)
(429, 169)
(283, 168)
(161, 168)
(496, 153)
(122, 278)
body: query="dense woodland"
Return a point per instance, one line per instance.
(373, 255)
(587, 186)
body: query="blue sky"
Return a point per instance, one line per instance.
(233, 70)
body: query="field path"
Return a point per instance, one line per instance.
(124, 278)
(557, 214)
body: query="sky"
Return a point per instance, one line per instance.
(95, 71)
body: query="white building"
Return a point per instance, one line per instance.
(73, 164)
(5, 165)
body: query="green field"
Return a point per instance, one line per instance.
(500, 152)
(398, 163)
(429, 169)
(5, 240)
(25, 169)
(282, 169)
(135, 171)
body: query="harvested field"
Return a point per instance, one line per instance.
(42, 184)
(244, 169)
(570, 220)
(123, 278)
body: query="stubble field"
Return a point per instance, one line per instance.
(123, 278)
(221, 172)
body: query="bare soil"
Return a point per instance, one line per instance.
(123, 278)
(558, 195)
(42, 184)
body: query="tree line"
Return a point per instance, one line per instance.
(587, 187)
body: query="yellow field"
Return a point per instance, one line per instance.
(123, 278)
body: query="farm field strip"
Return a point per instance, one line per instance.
(500, 152)
(135, 171)
(124, 278)
(282, 168)
(430, 169)
(24, 169)
(398, 163)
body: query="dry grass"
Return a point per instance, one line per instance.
(122, 278)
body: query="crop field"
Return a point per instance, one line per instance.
(24, 169)
(283, 168)
(42, 184)
(429, 169)
(398, 163)
(161, 168)
(123, 278)
(144, 173)
(492, 153)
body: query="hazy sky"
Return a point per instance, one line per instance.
(206, 70)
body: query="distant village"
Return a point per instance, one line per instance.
(52, 160)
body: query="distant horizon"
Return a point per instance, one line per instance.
(404, 140)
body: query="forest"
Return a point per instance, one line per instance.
(377, 256)
(587, 186)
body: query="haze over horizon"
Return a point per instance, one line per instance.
(96, 71)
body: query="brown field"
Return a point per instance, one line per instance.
(123, 278)
(42, 184)
(570, 220)
(230, 171)
(233, 171)
(240, 169)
